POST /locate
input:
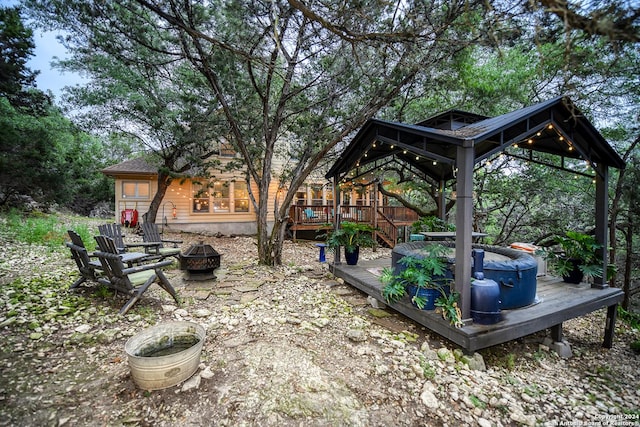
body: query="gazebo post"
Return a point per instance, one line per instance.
(464, 224)
(337, 216)
(602, 222)
(441, 201)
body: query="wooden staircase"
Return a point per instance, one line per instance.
(386, 232)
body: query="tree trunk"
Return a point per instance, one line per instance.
(626, 285)
(164, 181)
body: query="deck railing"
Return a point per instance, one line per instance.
(389, 218)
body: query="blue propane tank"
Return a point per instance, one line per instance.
(485, 293)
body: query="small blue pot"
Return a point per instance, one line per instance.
(430, 295)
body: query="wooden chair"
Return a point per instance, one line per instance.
(107, 244)
(133, 281)
(75, 238)
(115, 232)
(86, 267)
(152, 235)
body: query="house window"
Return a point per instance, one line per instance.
(316, 195)
(329, 196)
(220, 196)
(226, 150)
(240, 197)
(301, 197)
(200, 198)
(135, 189)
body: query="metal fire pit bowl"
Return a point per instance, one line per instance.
(200, 261)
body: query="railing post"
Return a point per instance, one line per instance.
(337, 216)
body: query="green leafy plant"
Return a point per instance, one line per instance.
(578, 250)
(431, 223)
(350, 235)
(448, 305)
(426, 272)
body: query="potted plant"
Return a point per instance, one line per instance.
(352, 236)
(422, 278)
(577, 258)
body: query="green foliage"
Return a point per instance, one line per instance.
(448, 304)
(579, 247)
(38, 300)
(350, 235)
(17, 81)
(425, 272)
(630, 317)
(431, 223)
(44, 229)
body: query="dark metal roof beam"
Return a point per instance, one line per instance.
(540, 162)
(513, 140)
(416, 150)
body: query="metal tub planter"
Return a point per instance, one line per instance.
(165, 355)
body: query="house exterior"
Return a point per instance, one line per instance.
(223, 208)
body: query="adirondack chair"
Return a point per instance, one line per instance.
(115, 232)
(76, 239)
(107, 244)
(87, 267)
(152, 235)
(133, 281)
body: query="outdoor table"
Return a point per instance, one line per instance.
(146, 245)
(444, 235)
(130, 258)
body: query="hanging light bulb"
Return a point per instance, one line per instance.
(530, 141)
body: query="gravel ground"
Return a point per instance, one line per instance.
(286, 346)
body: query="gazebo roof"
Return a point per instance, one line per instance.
(555, 126)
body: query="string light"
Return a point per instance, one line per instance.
(530, 141)
(392, 146)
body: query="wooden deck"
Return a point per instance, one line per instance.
(557, 302)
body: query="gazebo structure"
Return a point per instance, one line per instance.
(448, 147)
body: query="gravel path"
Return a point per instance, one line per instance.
(286, 346)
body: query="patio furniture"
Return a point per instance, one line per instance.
(151, 237)
(310, 214)
(113, 231)
(107, 244)
(133, 281)
(86, 266)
